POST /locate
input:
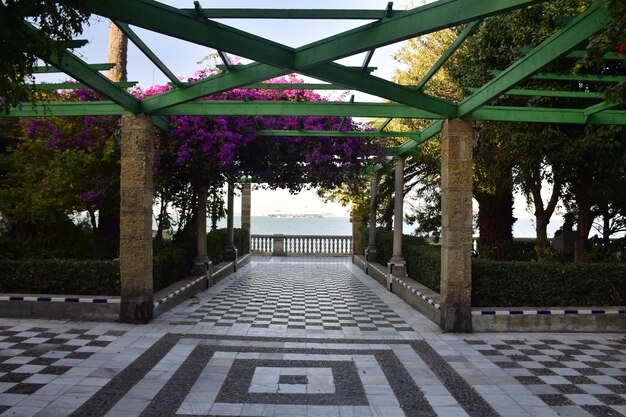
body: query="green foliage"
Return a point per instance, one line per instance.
(216, 242)
(57, 238)
(424, 264)
(54, 276)
(58, 21)
(172, 263)
(544, 284)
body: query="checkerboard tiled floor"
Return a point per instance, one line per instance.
(303, 339)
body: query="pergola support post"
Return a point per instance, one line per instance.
(246, 208)
(371, 252)
(136, 190)
(456, 226)
(397, 264)
(201, 262)
(230, 251)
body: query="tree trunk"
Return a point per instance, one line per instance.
(495, 223)
(94, 228)
(117, 53)
(585, 221)
(543, 215)
(606, 229)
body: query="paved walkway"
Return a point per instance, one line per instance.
(293, 338)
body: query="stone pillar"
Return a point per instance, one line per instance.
(246, 209)
(456, 226)
(397, 264)
(136, 191)
(279, 245)
(370, 252)
(202, 260)
(230, 251)
(357, 231)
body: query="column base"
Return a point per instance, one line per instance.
(230, 254)
(396, 269)
(456, 318)
(137, 310)
(200, 266)
(371, 254)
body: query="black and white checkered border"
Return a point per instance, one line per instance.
(178, 291)
(548, 312)
(419, 294)
(61, 299)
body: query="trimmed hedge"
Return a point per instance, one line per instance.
(60, 276)
(171, 264)
(216, 242)
(534, 284)
(516, 283)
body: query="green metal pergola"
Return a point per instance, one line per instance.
(319, 60)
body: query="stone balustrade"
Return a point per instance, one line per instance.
(300, 245)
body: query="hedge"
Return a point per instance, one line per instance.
(172, 263)
(216, 242)
(542, 284)
(60, 276)
(516, 283)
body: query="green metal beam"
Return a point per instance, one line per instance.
(73, 44)
(419, 21)
(469, 29)
(577, 54)
(186, 25)
(366, 83)
(80, 70)
(600, 107)
(253, 73)
(549, 93)
(74, 86)
(336, 134)
(557, 45)
(51, 69)
(310, 14)
(295, 108)
(238, 67)
(81, 108)
(147, 52)
(549, 115)
(573, 77)
(428, 132)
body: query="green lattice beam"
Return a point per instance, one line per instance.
(51, 69)
(336, 134)
(573, 77)
(148, 52)
(549, 93)
(549, 115)
(578, 54)
(410, 146)
(74, 86)
(577, 31)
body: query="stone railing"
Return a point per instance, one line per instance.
(300, 245)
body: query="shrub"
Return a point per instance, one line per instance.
(172, 263)
(534, 284)
(55, 276)
(424, 264)
(216, 242)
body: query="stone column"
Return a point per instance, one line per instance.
(370, 252)
(201, 261)
(357, 231)
(397, 264)
(136, 191)
(246, 208)
(456, 226)
(230, 251)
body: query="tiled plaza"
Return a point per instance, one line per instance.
(295, 337)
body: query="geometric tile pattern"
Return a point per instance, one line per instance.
(297, 296)
(221, 365)
(584, 377)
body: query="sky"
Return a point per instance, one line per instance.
(184, 59)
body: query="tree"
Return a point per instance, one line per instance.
(58, 22)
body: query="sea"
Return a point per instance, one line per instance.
(341, 226)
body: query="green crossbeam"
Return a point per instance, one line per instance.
(573, 77)
(75, 86)
(579, 54)
(336, 134)
(312, 14)
(549, 93)
(549, 115)
(557, 45)
(80, 70)
(428, 132)
(51, 69)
